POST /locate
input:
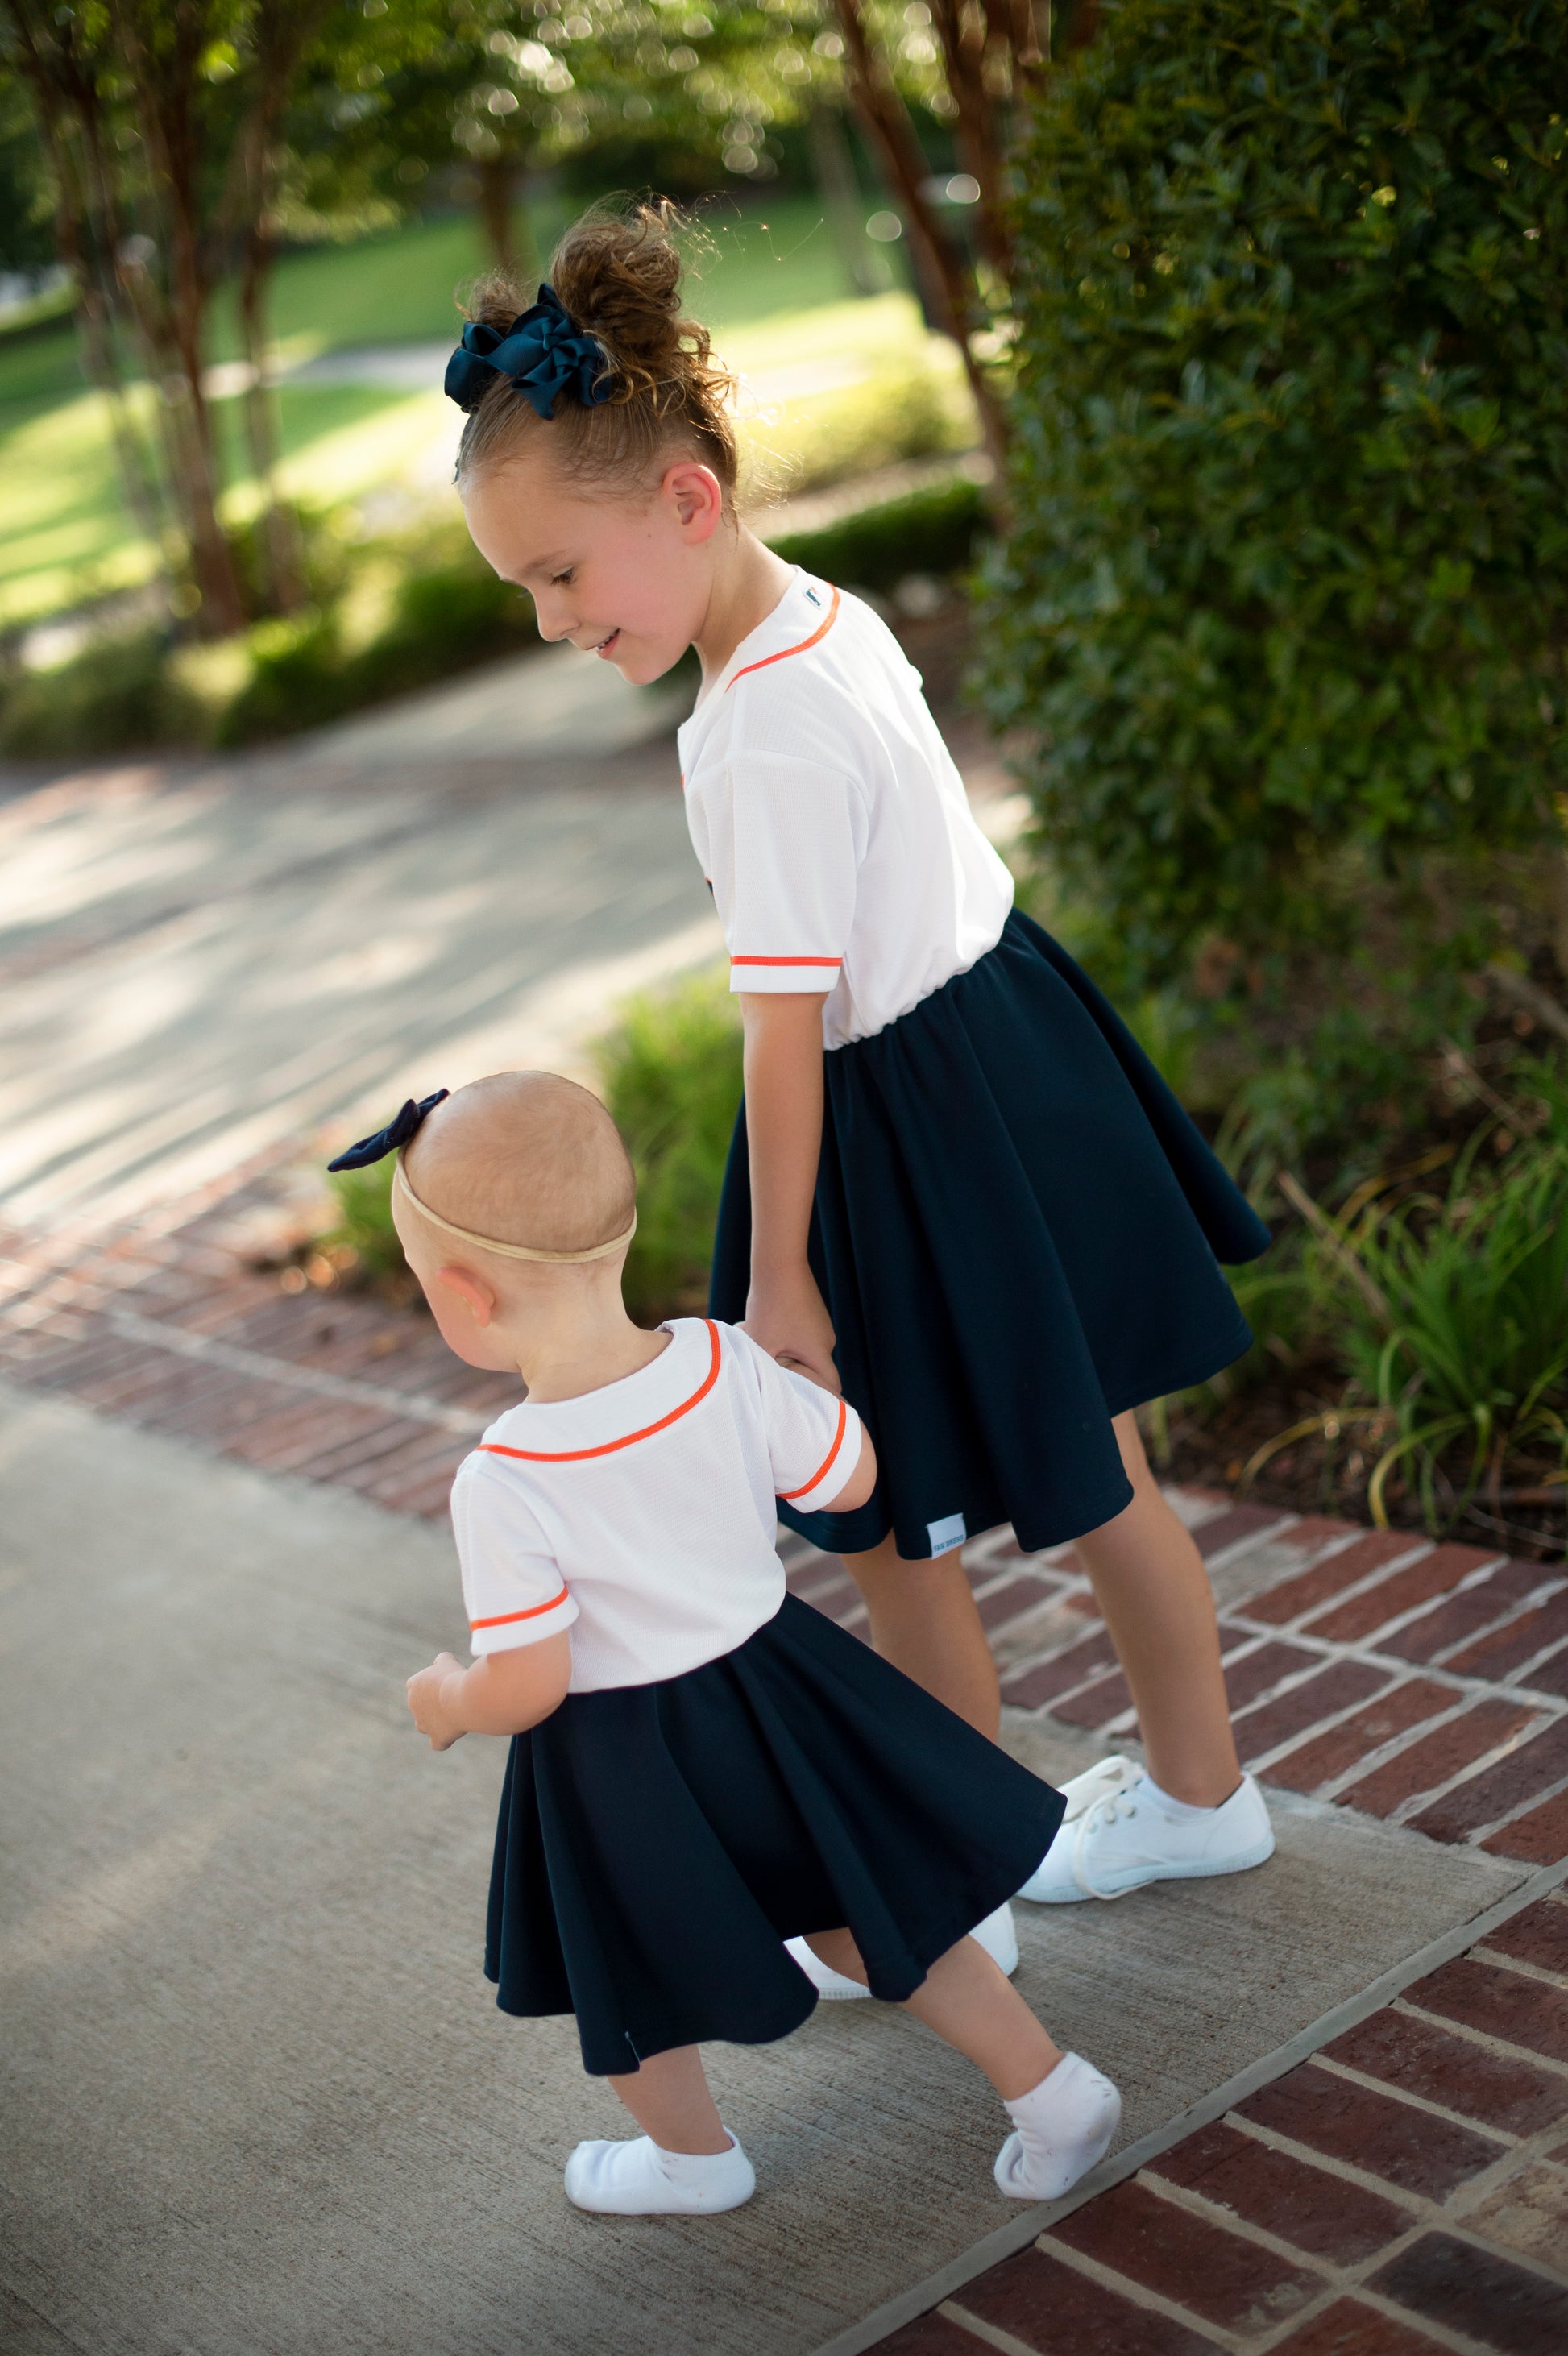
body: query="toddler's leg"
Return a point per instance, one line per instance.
(1064, 2113)
(923, 1619)
(686, 2163)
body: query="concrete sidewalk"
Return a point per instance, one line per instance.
(258, 2098)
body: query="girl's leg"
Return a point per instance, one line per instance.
(1150, 1583)
(923, 1619)
(669, 2099)
(968, 2004)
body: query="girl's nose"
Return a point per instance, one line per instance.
(554, 619)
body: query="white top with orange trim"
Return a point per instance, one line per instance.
(832, 821)
(642, 1516)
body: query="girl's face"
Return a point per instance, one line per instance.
(629, 580)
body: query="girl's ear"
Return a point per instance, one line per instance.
(471, 1289)
(697, 496)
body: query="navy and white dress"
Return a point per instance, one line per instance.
(729, 1769)
(1018, 1229)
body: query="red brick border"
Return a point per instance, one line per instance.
(1403, 2191)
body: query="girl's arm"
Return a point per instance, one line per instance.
(502, 1693)
(784, 1311)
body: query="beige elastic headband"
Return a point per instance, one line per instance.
(508, 1251)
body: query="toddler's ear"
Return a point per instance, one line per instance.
(471, 1289)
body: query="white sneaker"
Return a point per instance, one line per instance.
(998, 1934)
(831, 1986)
(1111, 1841)
(641, 2180)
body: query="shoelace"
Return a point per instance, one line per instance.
(1104, 1811)
(1113, 1775)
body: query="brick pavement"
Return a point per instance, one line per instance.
(1403, 2191)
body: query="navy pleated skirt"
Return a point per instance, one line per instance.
(1018, 1232)
(659, 1843)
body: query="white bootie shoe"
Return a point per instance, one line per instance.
(1121, 1832)
(641, 2180)
(1061, 2128)
(996, 1934)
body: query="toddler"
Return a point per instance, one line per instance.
(701, 1766)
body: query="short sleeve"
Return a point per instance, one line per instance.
(513, 1588)
(795, 855)
(813, 1436)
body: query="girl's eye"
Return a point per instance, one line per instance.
(562, 579)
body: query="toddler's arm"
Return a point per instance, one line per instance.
(784, 1312)
(501, 1693)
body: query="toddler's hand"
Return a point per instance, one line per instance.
(789, 1318)
(424, 1700)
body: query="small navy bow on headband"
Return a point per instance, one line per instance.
(543, 353)
(387, 1140)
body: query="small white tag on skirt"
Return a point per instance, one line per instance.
(946, 1534)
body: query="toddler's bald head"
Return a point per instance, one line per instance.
(527, 1158)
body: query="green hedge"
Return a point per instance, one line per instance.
(1284, 605)
(127, 691)
(935, 530)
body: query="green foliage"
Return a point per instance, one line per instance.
(1282, 607)
(933, 530)
(672, 1077)
(121, 694)
(442, 620)
(1450, 1315)
(364, 1224)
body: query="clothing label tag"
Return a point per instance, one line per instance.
(812, 597)
(946, 1534)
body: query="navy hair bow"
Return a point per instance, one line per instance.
(387, 1140)
(544, 354)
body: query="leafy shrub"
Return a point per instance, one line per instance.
(672, 1077)
(364, 1222)
(912, 412)
(1448, 1314)
(1283, 602)
(118, 694)
(933, 530)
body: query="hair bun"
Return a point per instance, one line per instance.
(617, 274)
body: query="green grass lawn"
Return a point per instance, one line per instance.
(766, 277)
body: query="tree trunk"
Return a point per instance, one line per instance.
(836, 185)
(886, 120)
(496, 177)
(277, 535)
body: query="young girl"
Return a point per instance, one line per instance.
(700, 1764)
(958, 1186)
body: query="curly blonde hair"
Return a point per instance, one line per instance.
(618, 275)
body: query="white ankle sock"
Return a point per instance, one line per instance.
(641, 2178)
(1062, 2126)
(1166, 1802)
(1180, 1809)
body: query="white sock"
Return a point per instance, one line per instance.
(1171, 1806)
(1062, 2126)
(641, 2178)
(1166, 1802)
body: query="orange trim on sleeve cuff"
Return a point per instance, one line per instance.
(506, 1619)
(803, 961)
(826, 1466)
